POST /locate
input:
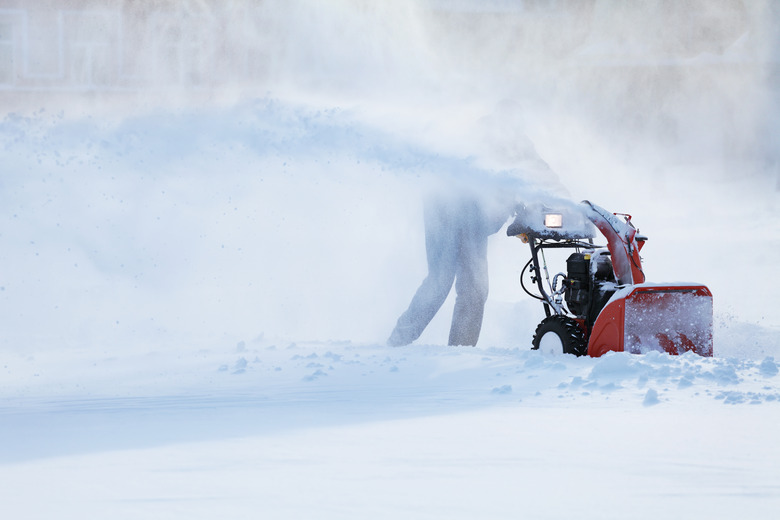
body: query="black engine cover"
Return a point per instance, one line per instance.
(578, 283)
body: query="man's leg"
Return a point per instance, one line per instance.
(441, 251)
(471, 284)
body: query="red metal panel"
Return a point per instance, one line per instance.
(607, 333)
(674, 318)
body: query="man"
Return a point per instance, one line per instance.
(457, 226)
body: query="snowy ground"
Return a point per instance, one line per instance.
(195, 301)
(340, 430)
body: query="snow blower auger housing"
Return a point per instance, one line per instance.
(602, 302)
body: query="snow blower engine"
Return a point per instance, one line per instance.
(602, 302)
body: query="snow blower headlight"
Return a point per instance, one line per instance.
(553, 220)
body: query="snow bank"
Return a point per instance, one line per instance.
(341, 430)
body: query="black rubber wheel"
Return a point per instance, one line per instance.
(568, 332)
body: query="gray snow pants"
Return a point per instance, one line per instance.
(456, 233)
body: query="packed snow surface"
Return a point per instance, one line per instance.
(341, 430)
(196, 296)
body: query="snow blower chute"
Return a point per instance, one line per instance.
(602, 302)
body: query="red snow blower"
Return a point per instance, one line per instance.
(602, 303)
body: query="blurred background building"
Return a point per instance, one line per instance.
(631, 65)
(99, 44)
